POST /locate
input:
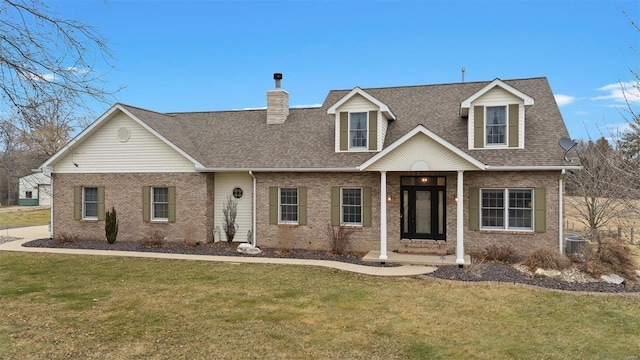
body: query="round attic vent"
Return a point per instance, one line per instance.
(124, 134)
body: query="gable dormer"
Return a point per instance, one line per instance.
(360, 122)
(496, 116)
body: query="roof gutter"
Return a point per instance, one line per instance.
(527, 167)
(255, 170)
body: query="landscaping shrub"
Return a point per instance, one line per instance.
(547, 259)
(155, 239)
(340, 238)
(229, 212)
(189, 238)
(66, 238)
(111, 226)
(614, 257)
(506, 254)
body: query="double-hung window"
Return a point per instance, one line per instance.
(288, 205)
(507, 209)
(90, 203)
(28, 194)
(496, 125)
(160, 203)
(351, 206)
(358, 130)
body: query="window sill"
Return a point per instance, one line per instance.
(159, 221)
(288, 224)
(90, 220)
(508, 232)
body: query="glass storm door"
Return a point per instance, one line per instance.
(423, 212)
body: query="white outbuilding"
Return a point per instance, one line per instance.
(34, 190)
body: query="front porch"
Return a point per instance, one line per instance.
(412, 259)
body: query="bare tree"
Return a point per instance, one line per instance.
(598, 195)
(45, 56)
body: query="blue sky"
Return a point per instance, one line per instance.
(217, 55)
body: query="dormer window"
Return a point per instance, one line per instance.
(496, 125)
(358, 131)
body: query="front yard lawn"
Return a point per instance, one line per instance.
(65, 306)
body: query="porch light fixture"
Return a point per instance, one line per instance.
(424, 180)
(389, 198)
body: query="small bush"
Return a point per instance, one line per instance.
(506, 254)
(155, 239)
(285, 239)
(546, 259)
(111, 226)
(190, 238)
(66, 238)
(340, 238)
(614, 257)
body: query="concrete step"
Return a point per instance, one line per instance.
(423, 247)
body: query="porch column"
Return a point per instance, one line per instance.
(383, 215)
(460, 221)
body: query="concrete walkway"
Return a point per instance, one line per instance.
(26, 234)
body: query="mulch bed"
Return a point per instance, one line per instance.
(217, 249)
(488, 272)
(508, 274)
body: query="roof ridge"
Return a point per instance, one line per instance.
(236, 110)
(439, 84)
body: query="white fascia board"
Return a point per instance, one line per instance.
(255, 170)
(383, 107)
(162, 138)
(430, 134)
(532, 167)
(528, 100)
(78, 138)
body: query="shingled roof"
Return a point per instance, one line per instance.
(244, 140)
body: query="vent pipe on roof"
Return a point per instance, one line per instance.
(277, 77)
(277, 103)
(463, 70)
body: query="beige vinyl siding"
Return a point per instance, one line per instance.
(421, 148)
(497, 97)
(224, 183)
(142, 152)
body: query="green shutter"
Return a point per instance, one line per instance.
(344, 131)
(478, 127)
(77, 202)
(302, 206)
(474, 208)
(335, 206)
(172, 203)
(146, 203)
(373, 130)
(366, 206)
(540, 201)
(514, 122)
(273, 205)
(100, 202)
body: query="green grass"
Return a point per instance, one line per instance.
(64, 306)
(25, 217)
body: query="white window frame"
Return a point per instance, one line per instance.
(506, 193)
(342, 206)
(153, 204)
(366, 130)
(280, 204)
(506, 126)
(85, 202)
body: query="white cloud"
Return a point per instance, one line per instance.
(307, 106)
(620, 92)
(40, 77)
(564, 99)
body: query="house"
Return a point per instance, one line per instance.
(34, 190)
(434, 168)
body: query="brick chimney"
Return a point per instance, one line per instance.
(277, 103)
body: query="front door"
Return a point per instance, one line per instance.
(423, 208)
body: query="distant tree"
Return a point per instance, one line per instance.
(598, 192)
(45, 56)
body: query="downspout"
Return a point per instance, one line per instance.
(560, 212)
(253, 220)
(50, 207)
